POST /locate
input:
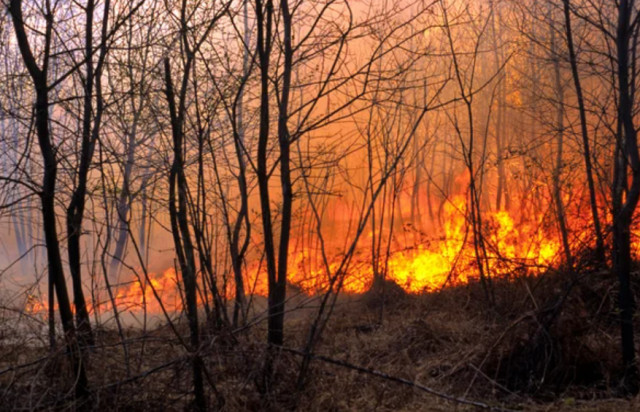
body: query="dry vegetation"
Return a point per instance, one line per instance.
(535, 350)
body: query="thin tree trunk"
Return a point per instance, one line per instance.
(600, 255)
(502, 189)
(50, 164)
(557, 170)
(276, 311)
(75, 210)
(180, 228)
(277, 290)
(238, 250)
(623, 211)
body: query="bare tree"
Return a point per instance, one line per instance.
(560, 113)
(586, 145)
(40, 77)
(91, 123)
(625, 199)
(178, 184)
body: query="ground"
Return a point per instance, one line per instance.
(528, 350)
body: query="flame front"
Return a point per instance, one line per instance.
(513, 244)
(450, 259)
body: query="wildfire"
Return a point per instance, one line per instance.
(511, 245)
(140, 294)
(450, 258)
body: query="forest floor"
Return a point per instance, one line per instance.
(531, 349)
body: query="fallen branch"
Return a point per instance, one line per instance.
(394, 379)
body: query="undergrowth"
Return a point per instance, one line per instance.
(546, 342)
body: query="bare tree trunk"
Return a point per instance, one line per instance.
(125, 198)
(625, 204)
(502, 188)
(238, 250)
(276, 292)
(277, 289)
(180, 227)
(473, 201)
(418, 162)
(75, 210)
(103, 262)
(203, 241)
(122, 216)
(142, 230)
(50, 164)
(600, 255)
(557, 171)
(179, 190)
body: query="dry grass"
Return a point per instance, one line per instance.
(452, 342)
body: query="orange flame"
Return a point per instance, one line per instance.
(513, 244)
(450, 258)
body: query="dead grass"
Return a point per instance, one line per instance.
(520, 353)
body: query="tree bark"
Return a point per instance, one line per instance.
(180, 228)
(557, 170)
(279, 293)
(50, 164)
(600, 255)
(625, 203)
(75, 210)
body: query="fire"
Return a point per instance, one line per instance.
(35, 307)
(514, 244)
(140, 294)
(450, 258)
(135, 296)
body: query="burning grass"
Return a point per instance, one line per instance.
(549, 342)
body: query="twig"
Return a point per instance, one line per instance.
(143, 374)
(492, 381)
(394, 379)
